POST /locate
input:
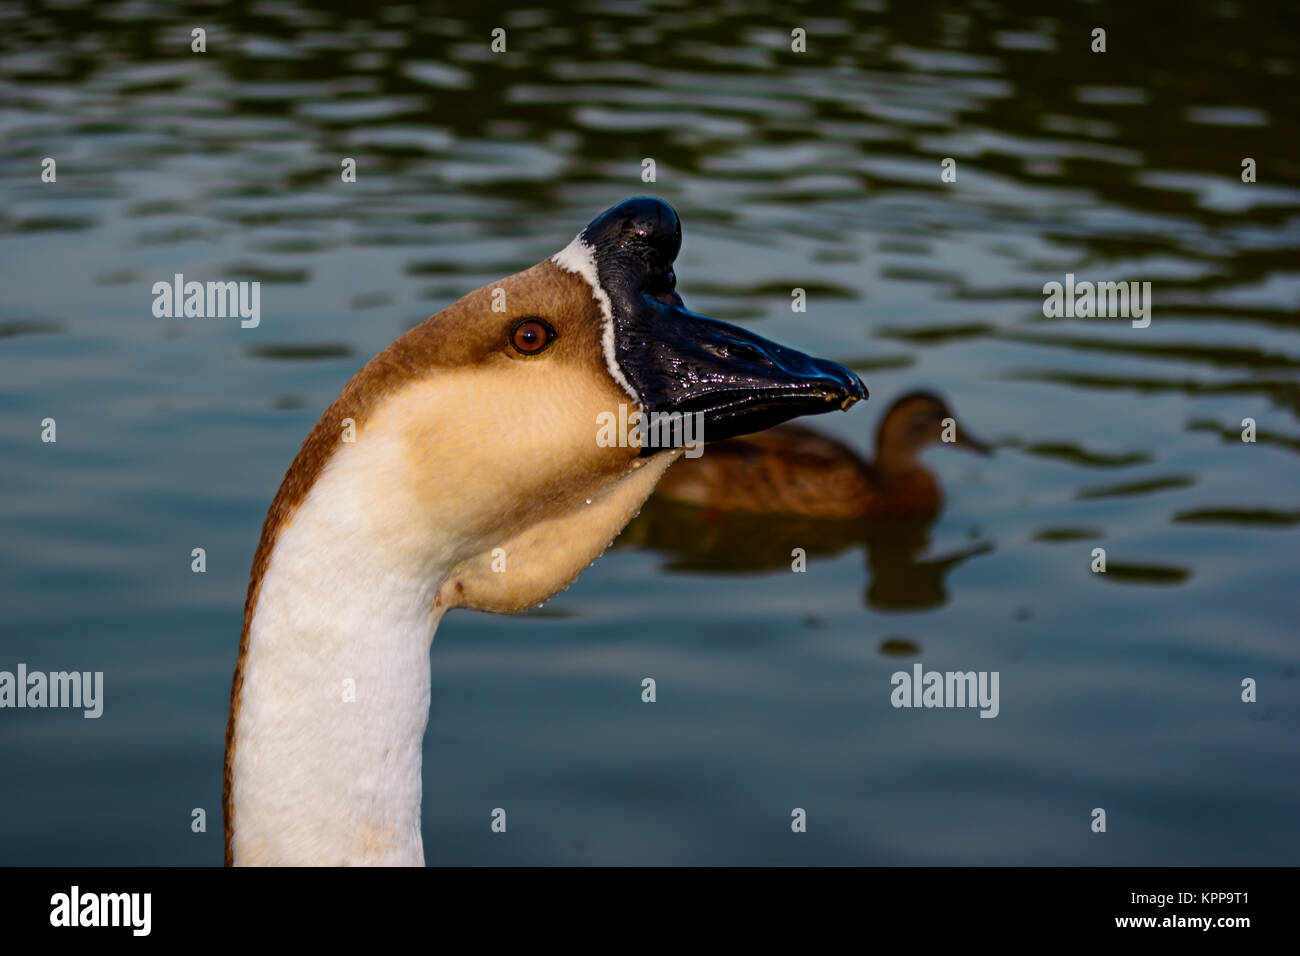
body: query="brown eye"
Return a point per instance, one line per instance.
(531, 336)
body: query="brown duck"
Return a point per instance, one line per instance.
(791, 470)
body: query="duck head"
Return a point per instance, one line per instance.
(478, 441)
(914, 421)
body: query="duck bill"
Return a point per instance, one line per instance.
(737, 381)
(968, 442)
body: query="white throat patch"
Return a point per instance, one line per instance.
(579, 257)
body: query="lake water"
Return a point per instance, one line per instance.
(819, 170)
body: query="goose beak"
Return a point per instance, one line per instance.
(740, 381)
(677, 361)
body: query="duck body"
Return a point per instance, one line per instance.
(793, 470)
(461, 468)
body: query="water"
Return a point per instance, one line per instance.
(818, 170)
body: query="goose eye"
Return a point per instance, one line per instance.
(531, 336)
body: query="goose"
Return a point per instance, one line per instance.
(792, 470)
(460, 468)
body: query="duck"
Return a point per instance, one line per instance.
(797, 471)
(460, 468)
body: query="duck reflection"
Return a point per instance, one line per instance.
(747, 503)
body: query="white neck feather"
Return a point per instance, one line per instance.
(398, 527)
(321, 779)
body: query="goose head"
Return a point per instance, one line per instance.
(487, 445)
(463, 466)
